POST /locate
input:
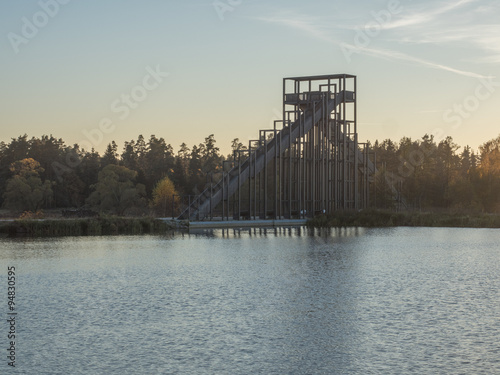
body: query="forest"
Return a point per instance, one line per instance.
(143, 176)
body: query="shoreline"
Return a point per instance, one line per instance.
(116, 225)
(378, 218)
(60, 227)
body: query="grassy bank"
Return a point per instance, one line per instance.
(377, 218)
(84, 226)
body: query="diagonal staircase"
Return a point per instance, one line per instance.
(312, 111)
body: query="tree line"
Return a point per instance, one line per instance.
(425, 174)
(43, 173)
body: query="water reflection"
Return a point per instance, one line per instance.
(276, 232)
(266, 300)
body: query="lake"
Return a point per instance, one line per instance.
(275, 301)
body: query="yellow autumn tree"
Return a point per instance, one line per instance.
(165, 198)
(490, 158)
(489, 174)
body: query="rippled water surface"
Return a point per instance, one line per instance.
(289, 301)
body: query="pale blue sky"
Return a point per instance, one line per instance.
(419, 66)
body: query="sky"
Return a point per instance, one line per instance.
(94, 71)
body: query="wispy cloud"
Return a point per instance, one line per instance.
(484, 38)
(475, 27)
(492, 59)
(419, 18)
(395, 55)
(312, 26)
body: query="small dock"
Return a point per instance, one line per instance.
(220, 224)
